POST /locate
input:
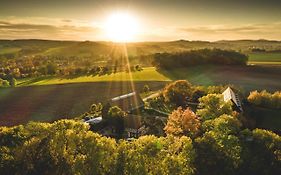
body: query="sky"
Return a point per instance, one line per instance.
(158, 20)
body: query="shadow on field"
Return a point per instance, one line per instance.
(257, 77)
(34, 80)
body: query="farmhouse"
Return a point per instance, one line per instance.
(133, 123)
(134, 126)
(130, 103)
(229, 95)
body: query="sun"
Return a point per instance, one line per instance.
(121, 27)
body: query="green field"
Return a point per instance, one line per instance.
(265, 58)
(247, 77)
(148, 74)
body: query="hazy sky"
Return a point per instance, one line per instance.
(158, 20)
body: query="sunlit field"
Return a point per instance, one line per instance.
(265, 58)
(147, 74)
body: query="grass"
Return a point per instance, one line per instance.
(148, 74)
(9, 50)
(264, 63)
(265, 58)
(248, 77)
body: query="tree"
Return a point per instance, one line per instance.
(225, 123)
(212, 106)
(265, 99)
(263, 148)
(217, 154)
(4, 83)
(146, 89)
(13, 82)
(51, 68)
(116, 118)
(152, 155)
(178, 92)
(183, 122)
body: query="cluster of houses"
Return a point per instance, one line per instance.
(134, 125)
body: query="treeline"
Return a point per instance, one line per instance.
(198, 57)
(266, 99)
(68, 147)
(36, 66)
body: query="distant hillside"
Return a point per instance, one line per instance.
(19, 48)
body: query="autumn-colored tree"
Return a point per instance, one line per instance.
(183, 122)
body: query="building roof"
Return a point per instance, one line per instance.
(127, 102)
(94, 120)
(228, 94)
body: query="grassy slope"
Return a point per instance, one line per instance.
(265, 58)
(148, 74)
(248, 77)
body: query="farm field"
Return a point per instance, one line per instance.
(148, 74)
(48, 103)
(265, 58)
(257, 77)
(248, 77)
(53, 98)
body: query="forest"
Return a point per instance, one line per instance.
(199, 57)
(68, 147)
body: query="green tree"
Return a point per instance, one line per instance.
(116, 118)
(263, 148)
(152, 155)
(226, 124)
(146, 89)
(178, 92)
(13, 82)
(212, 106)
(51, 68)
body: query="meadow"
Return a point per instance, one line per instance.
(247, 77)
(147, 74)
(266, 58)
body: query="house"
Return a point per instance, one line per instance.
(134, 126)
(128, 102)
(229, 95)
(133, 123)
